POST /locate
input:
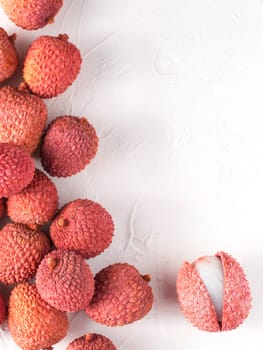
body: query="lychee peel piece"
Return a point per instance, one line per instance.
(195, 302)
(237, 295)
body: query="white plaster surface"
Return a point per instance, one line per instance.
(175, 92)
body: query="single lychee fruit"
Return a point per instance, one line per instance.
(36, 204)
(32, 322)
(8, 55)
(2, 309)
(23, 117)
(21, 251)
(65, 281)
(213, 293)
(16, 169)
(2, 207)
(51, 65)
(83, 226)
(91, 341)
(69, 144)
(121, 296)
(31, 14)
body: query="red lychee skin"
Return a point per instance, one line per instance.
(16, 169)
(31, 14)
(197, 306)
(51, 65)
(83, 226)
(32, 322)
(2, 309)
(68, 146)
(23, 117)
(91, 341)
(65, 281)
(36, 204)
(21, 251)
(121, 296)
(8, 55)
(2, 207)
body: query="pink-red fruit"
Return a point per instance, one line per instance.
(36, 204)
(33, 323)
(2, 309)
(69, 144)
(16, 169)
(91, 341)
(31, 14)
(83, 226)
(213, 293)
(65, 281)
(51, 65)
(121, 296)
(21, 251)
(23, 117)
(8, 55)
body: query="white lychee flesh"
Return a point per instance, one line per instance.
(210, 270)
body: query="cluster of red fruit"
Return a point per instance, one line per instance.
(63, 281)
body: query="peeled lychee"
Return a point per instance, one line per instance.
(51, 65)
(21, 251)
(69, 144)
(23, 117)
(2, 309)
(83, 226)
(36, 204)
(91, 341)
(31, 14)
(121, 296)
(16, 169)
(65, 281)
(8, 55)
(32, 322)
(213, 293)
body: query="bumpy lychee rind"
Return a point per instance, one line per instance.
(31, 14)
(83, 226)
(197, 306)
(32, 322)
(65, 281)
(23, 117)
(21, 251)
(121, 296)
(8, 56)
(237, 295)
(51, 65)
(16, 169)
(91, 341)
(69, 144)
(2, 309)
(194, 299)
(36, 204)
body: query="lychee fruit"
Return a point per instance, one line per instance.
(16, 169)
(91, 341)
(32, 322)
(8, 55)
(36, 204)
(122, 295)
(65, 281)
(21, 251)
(23, 117)
(83, 226)
(69, 144)
(213, 293)
(51, 65)
(2, 309)
(31, 14)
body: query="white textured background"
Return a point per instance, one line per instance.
(175, 92)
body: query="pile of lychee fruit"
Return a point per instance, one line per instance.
(48, 272)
